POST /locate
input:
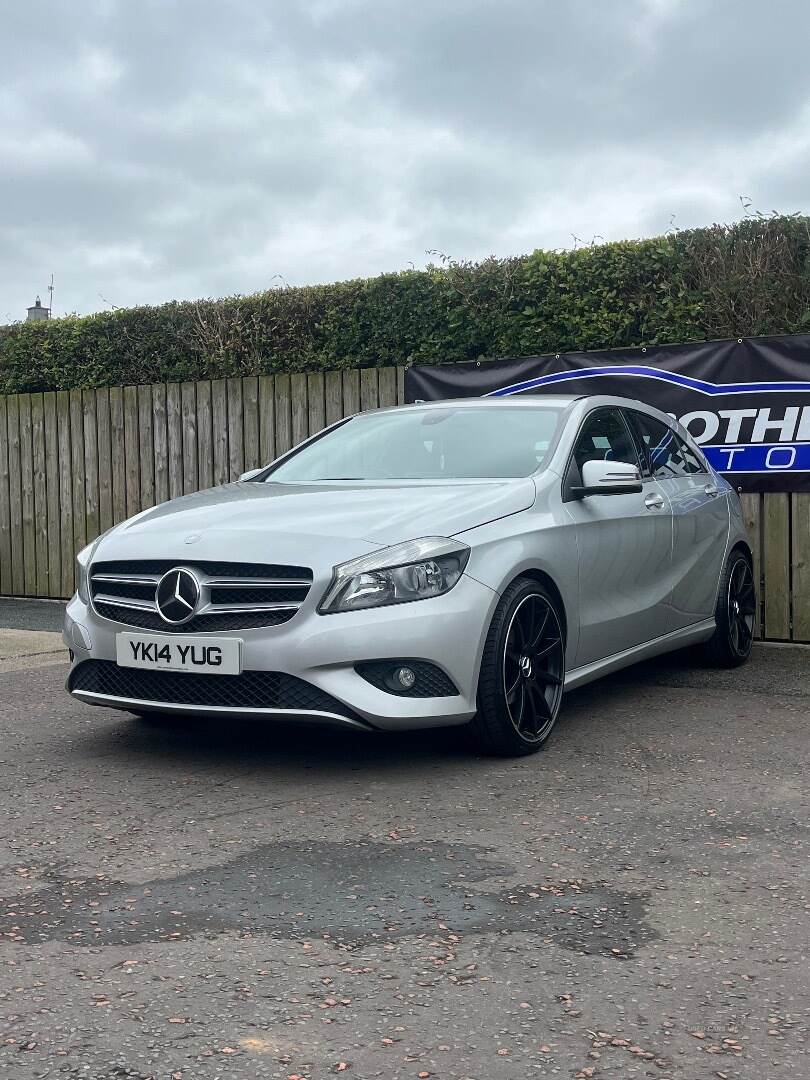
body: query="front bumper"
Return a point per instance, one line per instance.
(320, 652)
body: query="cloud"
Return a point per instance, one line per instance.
(181, 148)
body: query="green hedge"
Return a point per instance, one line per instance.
(724, 281)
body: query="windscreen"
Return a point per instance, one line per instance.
(428, 444)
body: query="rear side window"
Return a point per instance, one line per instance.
(666, 453)
(691, 461)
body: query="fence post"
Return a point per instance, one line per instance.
(776, 561)
(800, 558)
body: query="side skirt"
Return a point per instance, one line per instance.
(679, 639)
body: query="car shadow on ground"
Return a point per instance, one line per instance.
(240, 742)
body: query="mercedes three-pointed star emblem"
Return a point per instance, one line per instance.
(177, 596)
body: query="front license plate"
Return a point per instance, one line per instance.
(203, 655)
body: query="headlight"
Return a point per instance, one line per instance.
(82, 563)
(415, 570)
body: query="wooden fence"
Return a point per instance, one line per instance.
(74, 463)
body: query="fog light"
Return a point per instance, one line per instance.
(405, 677)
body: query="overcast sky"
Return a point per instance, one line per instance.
(160, 149)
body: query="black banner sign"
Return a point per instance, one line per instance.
(746, 402)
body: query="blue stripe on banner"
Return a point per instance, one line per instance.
(700, 386)
(759, 457)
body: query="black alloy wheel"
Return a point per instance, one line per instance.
(533, 667)
(735, 613)
(741, 607)
(522, 672)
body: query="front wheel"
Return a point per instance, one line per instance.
(522, 672)
(730, 645)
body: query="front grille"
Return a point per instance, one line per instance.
(159, 567)
(431, 681)
(250, 690)
(201, 624)
(234, 596)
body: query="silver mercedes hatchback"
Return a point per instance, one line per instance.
(459, 562)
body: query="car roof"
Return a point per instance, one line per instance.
(541, 401)
(522, 400)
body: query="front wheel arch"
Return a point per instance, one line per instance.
(544, 579)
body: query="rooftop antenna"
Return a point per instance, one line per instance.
(50, 302)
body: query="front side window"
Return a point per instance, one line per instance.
(442, 443)
(604, 437)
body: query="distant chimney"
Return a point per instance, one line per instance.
(37, 311)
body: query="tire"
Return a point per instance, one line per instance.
(522, 672)
(730, 645)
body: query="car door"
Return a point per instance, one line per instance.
(624, 546)
(700, 516)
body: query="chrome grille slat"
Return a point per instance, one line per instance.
(251, 603)
(258, 583)
(118, 601)
(126, 579)
(234, 609)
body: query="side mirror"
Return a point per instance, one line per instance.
(608, 478)
(250, 474)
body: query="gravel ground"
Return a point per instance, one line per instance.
(32, 614)
(239, 901)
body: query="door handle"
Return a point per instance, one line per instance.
(654, 502)
(711, 490)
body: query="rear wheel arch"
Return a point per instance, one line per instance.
(745, 548)
(735, 611)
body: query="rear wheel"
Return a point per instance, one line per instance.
(730, 645)
(522, 671)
